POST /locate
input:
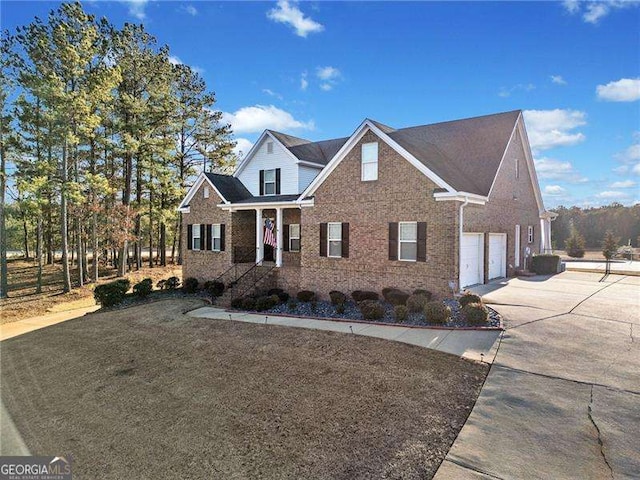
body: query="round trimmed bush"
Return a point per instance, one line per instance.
(426, 293)
(282, 295)
(340, 308)
(190, 285)
(292, 304)
(400, 312)
(362, 295)
(172, 283)
(437, 312)
(306, 295)
(215, 288)
(371, 309)
(266, 302)
(386, 290)
(237, 302)
(468, 298)
(112, 293)
(143, 288)
(248, 303)
(162, 284)
(476, 314)
(397, 297)
(337, 298)
(416, 303)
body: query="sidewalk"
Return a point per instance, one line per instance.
(479, 345)
(13, 329)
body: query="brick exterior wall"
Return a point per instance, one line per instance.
(401, 193)
(201, 264)
(512, 202)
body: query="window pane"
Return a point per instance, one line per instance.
(369, 152)
(408, 231)
(294, 230)
(196, 243)
(269, 188)
(369, 171)
(335, 249)
(216, 244)
(335, 231)
(269, 175)
(408, 251)
(216, 231)
(295, 245)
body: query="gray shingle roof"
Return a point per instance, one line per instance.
(229, 187)
(316, 152)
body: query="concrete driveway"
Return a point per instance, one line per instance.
(562, 399)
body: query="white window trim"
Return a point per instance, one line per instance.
(517, 168)
(530, 233)
(291, 237)
(195, 233)
(400, 242)
(363, 163)
(213, 237)
(329, 239)
(264, 184)
(206, 191)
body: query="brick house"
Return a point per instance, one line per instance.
(440, 206)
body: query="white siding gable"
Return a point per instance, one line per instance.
(306, 176)
(261, 160)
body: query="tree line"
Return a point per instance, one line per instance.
(101, 134)
(593, 223)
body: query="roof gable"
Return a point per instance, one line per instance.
(230, 188)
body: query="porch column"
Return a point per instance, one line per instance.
(279, 228)
(259, 236)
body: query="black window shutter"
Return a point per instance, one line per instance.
(261, 182)
(285, 237)
(208, 237)
(323, 239)
(189, 237)
(421, 256)
(222, 237)
(345, 240)
(277, 181)
(393, 241)
(203, 232)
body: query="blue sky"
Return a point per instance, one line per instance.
(317, 69)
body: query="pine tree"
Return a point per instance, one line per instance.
(609, 245)
(574, 245)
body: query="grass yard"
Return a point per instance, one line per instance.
(23, 302)
(147, 392)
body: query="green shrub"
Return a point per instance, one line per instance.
(237, 303)
(400, 312)
(172, 283)
(340, 308)
(386, 290)
(371, 309)
(162, 284)
(476, 314)
(248, 303)
(292, 305)
(437, 312)
(190, 285)
(215, 288)
(397, 297)
(282, 295)
(416, 303)
(423, 292)
(314, 306)
(143, 288)
(468, 298)
(545, 264)
(575, 244)
(337, 298)
(362, 295)
(306, 295)
(112, 293)
(266, 302)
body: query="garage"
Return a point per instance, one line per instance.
(472, 259)
(497, 255)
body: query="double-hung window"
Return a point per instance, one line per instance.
(294, 237)
(206, 192)
(408, 241)
(197, 245)
(334, 238)
(369, 161)
(270, 182)
(216, 237)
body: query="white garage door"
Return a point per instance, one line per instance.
(497, 255)
(472, 259)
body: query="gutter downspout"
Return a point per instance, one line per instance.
(462, 205)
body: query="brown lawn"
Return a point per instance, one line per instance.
(147, 392)
(24, 302)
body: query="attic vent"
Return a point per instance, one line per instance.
(269, 147)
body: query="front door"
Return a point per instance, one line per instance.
(268, 253)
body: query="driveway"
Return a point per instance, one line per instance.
(562, 399)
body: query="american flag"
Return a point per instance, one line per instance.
(269, 237)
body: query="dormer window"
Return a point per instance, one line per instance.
(369, 162)
(270, 182)
(269, 147)
(206, 192)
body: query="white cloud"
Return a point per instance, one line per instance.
(271, 93)
(326, 87)
(257, 118)
(329, 76)
(175, 60)
(551, 169)
(554, 190)
(630, 159)
(623, 90)
(612, 194)
(289, 14)
(190, 9)
(525, 87)
(554, 128)
(593, 11)
(242, 147)
(304, 83)
(558, 80)
(623, 184)
(137, 8)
